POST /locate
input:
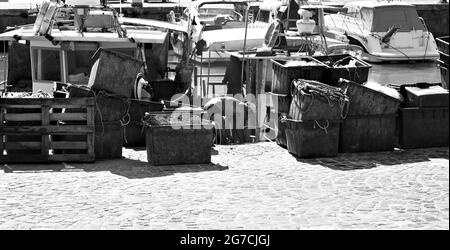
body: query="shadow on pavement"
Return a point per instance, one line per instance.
(357, 161)
(131, 169)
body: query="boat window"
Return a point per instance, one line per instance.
(79, 66)
(367, 17)
(46, 64)
(402, 17)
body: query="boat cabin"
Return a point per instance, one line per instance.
(63, 53)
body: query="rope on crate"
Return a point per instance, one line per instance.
(331, 94)
(324, 128)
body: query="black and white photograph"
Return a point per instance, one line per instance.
(224, 121)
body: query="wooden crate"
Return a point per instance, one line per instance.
(24, 118)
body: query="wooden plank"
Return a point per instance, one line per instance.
(69, 145)
(68, 116)
(45, 140)
(66, 129)
(23, 117)
(49, 158)
(1, 124)
(22, 145)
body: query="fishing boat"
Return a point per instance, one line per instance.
(388, 31)
(274, 26)
(216, 26)
(66, 35)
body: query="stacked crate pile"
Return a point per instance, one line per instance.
(284, 72)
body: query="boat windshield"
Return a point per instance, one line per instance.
(212, 10)
(380, 19)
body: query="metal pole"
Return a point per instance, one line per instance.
(245, 45)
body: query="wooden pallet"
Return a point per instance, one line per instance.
(33, 130)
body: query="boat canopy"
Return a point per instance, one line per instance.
(381, 18)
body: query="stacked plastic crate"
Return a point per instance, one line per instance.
(284, 72)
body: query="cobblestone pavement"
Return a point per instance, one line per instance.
(257, 186)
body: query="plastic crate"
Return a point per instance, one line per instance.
(283, 75)
(283, 102)
(310, 106)
(368, 134)
(182, 143)
(115, 72)
(358, 73)
(442, 44)
(423, 127)
(433, 96)
(163, 89)
(312, 138)
(366, 101)
(109, 107)
(134, 133)
(280, 130)
(108, 140)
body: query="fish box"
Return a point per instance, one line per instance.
(433, 96)
(108, 140)
(284, 71)
(134, 132)
(423, 127)
(283, 102)
(366, 101)
(115, 72)
(171, 143)
(109, 107)
(317, 101)
(312, 138)
(368, 133)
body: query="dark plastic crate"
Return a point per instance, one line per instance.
(311, 139)
(115, 72)
(280, 130)
(171, 141)
(309, 106)
(169, 146)
(442, 44)
(358, 73)
(423, 127)
(134, 134)
(163, 89)
(283, 75)
(366, 101)
(283, 102)
(108, 107)
(108, 140)
(433, 96)
(368, 134)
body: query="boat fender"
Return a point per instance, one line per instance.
(40, 17)
(171, 17)
(272, 33)
(47, 21)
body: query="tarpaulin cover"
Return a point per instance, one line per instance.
(382, 18)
